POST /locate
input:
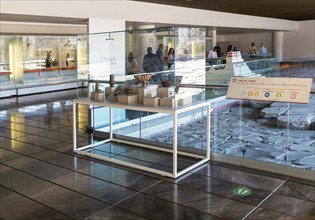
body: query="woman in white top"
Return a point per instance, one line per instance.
(213, 53)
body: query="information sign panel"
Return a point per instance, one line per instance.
(292, 90)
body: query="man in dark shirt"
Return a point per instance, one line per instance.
(149, 63)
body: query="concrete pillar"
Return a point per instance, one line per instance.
(277, 41)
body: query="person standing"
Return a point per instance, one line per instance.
(213, 53)
(150, 62)
(170, 57)
(263, 50)
(132, 64)
(252, 50)
(160, 57)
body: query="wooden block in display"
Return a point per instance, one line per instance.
(128, 99)
(97, 96)
(108, 91)
(185, 101)
(151, 101)
(146, 92)
(168, 102)
(165, 91)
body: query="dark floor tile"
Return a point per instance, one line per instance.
(6, 155)
(155, 208)
(63, 160)
(20, 147)
(222, 188)
(37, 168)
(3, 139)
(4, 192)
(16, 207)
(11, 134)
(114, 213)
(120, 177)
(39, 141)
(94, 187)
(291, 206)
(200, 200)
(263, 214)
(298, 190)
(26, 129)
(58, 198)
(240, 177)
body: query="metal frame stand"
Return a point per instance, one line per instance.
(173, 111)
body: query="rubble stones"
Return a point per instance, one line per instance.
(238, 131)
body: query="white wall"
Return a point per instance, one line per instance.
(142, 12)
(300, 44)
(41, 28)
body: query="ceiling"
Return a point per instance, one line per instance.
(296, 10)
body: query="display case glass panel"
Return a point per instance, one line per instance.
(30, 61)
(243, 129)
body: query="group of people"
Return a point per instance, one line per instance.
(252, 51)
(151, 62)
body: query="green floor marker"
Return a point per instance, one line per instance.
(242, 191)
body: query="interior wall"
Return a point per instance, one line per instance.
(143, 12)
(41, 28)
(300, 44)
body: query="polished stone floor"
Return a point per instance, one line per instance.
(41, 178)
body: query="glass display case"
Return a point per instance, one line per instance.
(38, 62)
(242, 132)
(133, 85)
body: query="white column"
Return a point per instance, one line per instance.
(277, 40)
(214, 36)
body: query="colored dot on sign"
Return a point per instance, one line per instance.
(267, 94)
(293, 96)
(250, 93)
(256, 94)
(243, 93)
(278, 95)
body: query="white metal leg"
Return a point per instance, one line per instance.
(208, 132)
(74, 112)
(174, 145)
(110, 123)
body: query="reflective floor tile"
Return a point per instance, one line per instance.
(264, 214)
(200, 200)
(129, 179)
(93, 187)
(58, 198)
(16, 207)
(114, 213)
(157, 209)
(241, 177)
(222, 188)
(61, 159)
(6, 155)
(291, 206)
(298, 190)
(37, 168)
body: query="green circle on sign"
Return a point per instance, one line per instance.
(242, 191)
